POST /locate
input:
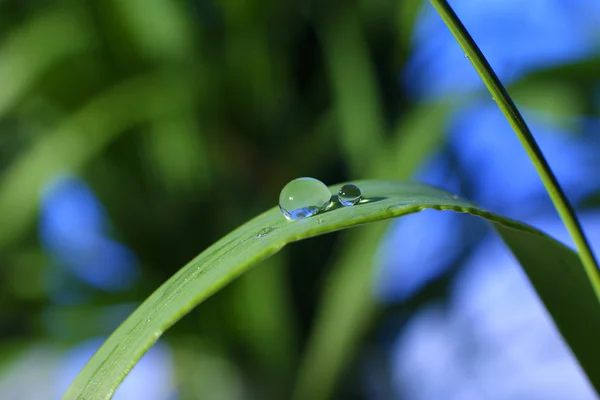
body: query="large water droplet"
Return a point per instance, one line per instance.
(303, 198)
(349, 194)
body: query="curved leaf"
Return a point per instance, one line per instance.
(554, 269)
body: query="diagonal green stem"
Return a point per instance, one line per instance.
(512, 114)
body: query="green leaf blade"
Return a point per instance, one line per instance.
(550, 271)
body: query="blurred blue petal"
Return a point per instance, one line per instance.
(105, 264)
(152, 378)
(72, 230)
(515, 37)
(495, 340)
(502, 174)
(27, 372)
(71, 216)
(438, 171)
(418, 248)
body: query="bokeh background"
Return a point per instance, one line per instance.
(135, 133)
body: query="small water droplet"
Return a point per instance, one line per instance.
(149, 319)
(456, 197)
(264, 232)
(466, 56)
(303, 198)
(392, 208)
(349, 194)
(320, 221)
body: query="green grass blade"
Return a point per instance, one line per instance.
(49, 38)
(514, 117)
(81, 137)
(554, 269)
(354, 88)
(342, 321)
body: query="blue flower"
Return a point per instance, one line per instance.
(515, 36)
(73, 231)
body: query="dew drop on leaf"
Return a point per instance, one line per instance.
(349, 195)
(303, 198)
(264, 232)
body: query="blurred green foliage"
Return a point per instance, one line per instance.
(187, 118)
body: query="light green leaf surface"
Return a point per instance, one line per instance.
(553, 268)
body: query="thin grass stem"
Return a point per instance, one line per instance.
(514, 117)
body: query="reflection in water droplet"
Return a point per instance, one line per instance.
(264, 232)
(349, 194)
(303, 198)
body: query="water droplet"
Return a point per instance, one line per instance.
(466, 56)
(456, 197)
(303, 198)
(349, 194)
(320, 221)
(264, 232)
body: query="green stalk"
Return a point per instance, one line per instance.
(514, 117)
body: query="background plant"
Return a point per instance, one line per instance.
(186, 120)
